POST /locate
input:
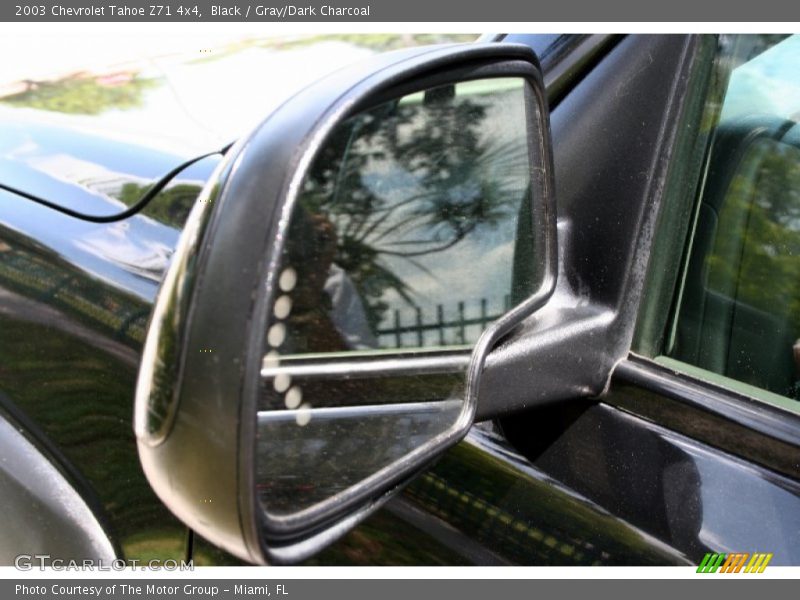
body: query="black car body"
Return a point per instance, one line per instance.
(591, 449)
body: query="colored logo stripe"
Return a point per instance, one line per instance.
(733, 563)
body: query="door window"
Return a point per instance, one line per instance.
(739, 311)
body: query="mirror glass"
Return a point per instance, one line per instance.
(411, 234)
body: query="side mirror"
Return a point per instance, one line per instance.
(320, 335)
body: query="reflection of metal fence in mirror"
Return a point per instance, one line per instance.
(411, 329)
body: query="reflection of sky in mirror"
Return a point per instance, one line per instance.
(766, 84)
(479, 266)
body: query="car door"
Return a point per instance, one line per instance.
(74, 300)
(608, 436)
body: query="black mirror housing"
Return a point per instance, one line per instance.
(199, 415)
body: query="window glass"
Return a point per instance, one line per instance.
(404, 233)
(739, 313)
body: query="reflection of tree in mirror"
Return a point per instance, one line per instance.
(83, 95)
(410, 179)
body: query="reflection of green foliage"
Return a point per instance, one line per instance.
(82, 399)
(155, 545)
(512, 515)
(171, 206)
(754, 264)
(385, 539)
(115, 313)
(81, 392)
(206, 554)
(523, 518)
(81, 95)
(756, 257)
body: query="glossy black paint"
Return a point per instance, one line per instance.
(74, 302)
(722, 418)
(691, 496)
(75, 169)
(485, 503)
(658, 472)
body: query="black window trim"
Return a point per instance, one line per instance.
(711, 414)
